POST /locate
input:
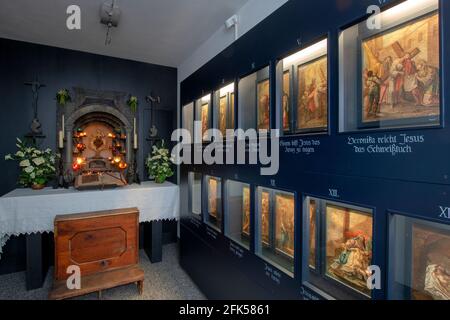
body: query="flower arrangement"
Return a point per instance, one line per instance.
(63, 96)
(159, 163)
(37, 166)
(133, 103)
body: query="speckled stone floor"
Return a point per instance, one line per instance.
(163, 281)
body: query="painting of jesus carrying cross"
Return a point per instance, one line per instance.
(400, 72)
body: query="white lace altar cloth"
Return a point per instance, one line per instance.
(25, 211)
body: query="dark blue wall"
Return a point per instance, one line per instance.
(61, 68)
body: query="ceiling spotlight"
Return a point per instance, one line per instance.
(109, 16)
(233, 22)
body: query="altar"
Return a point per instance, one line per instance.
(29, 212)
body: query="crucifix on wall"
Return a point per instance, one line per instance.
(36, 128)
(151, 99)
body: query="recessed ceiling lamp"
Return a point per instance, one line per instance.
(109, 16)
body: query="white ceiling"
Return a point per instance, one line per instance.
(156, 31)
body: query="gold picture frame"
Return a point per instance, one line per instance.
(212, 197)
(246, 211)
(285, 101)
(205, 119)
(285, 224)
(265, 218)
(263, 105)
(312, 234)
(222, 119)
(430, 267)
(348, 246)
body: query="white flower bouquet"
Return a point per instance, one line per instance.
(37, 166)
(159, 163)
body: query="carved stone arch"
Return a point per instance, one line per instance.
(85, 110)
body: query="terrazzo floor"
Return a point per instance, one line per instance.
(163, 281)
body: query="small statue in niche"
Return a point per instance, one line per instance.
(153, 131)
(36, 127)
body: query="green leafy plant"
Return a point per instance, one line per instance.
(63, 96)
(133, 103)
(37, 167)
(159, 163)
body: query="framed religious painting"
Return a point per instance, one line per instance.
(195, 194)
(253, 101)
(337, 249)
(348, 243)
(286, 102)
(263, 104)
(312, 98)
(312, 217)
(399, 78)
(202, 114)
(284, 224)
(302, 90)
(213, 202)
(245, 211)
(265, 218)
(223, 103)
(419, 259)
(237, 215)
(275, 223)
(212, 197)
(390, 77)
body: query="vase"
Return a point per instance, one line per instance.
(37, 186)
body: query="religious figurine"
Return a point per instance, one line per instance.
(285, 224)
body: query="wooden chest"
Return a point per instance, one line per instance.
(97, 241)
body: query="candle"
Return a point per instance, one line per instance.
(135, 141)
(62, 126)
(61, 140)
(134, 126)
